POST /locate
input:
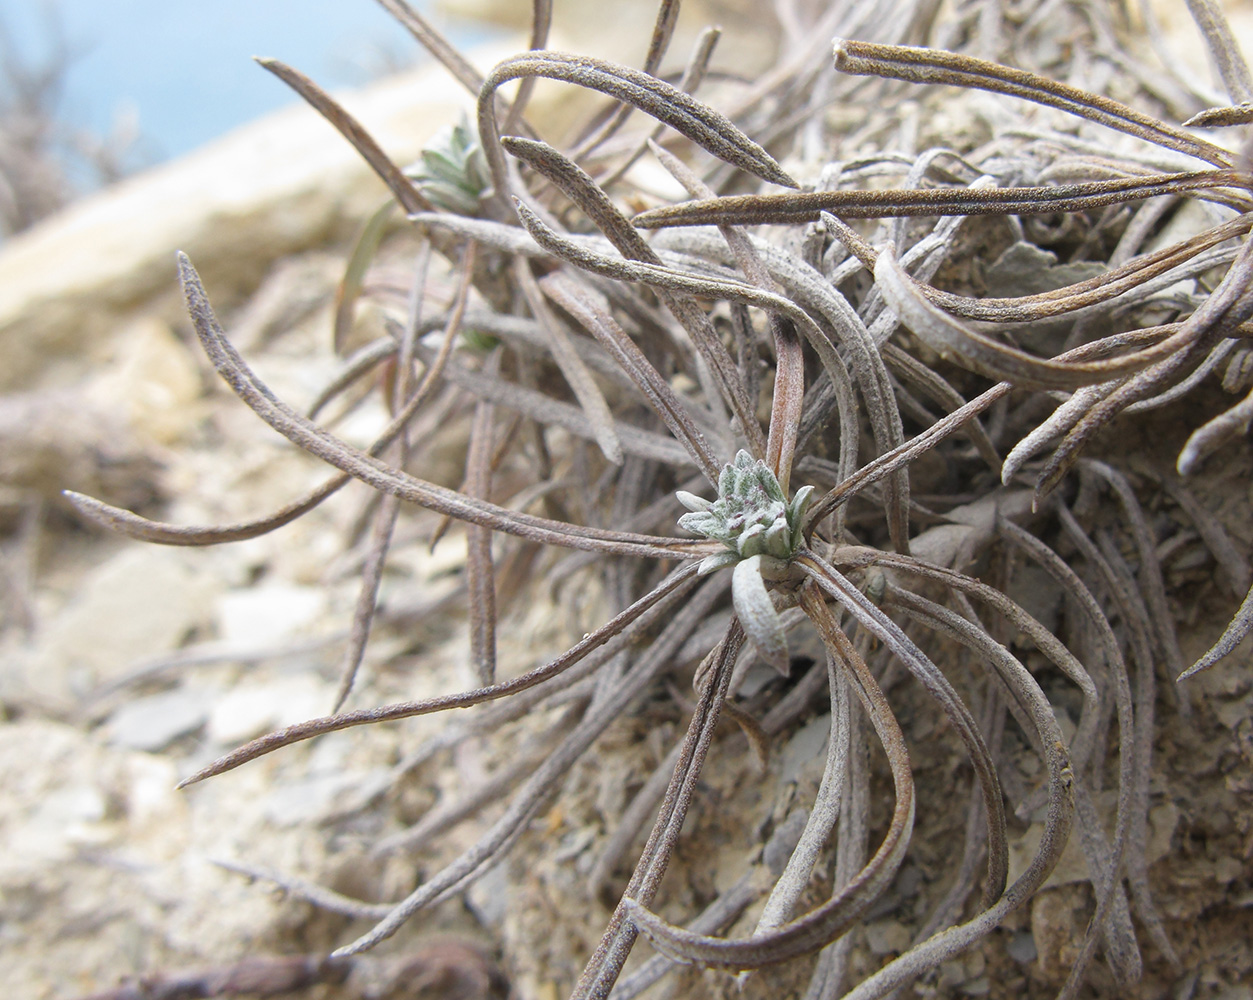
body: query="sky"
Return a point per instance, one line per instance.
(185, 68)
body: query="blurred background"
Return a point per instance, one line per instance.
(90, 92)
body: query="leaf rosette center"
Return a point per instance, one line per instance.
(761, 531)
(751, 516)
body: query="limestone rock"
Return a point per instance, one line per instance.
(151, 382)
(275, 187)
(259, 616)
(142, 601)
(152, 723)
(251, 708)
(55, 440)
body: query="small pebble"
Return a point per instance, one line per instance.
(156, 721)
(1021, 947)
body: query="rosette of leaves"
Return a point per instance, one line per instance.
(452, 172)
(761, 531)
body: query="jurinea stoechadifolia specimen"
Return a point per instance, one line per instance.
(871, 339)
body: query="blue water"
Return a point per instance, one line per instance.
(185, 69)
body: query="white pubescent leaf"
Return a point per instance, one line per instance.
(757, 615)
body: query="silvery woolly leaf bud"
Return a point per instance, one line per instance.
(751, 516)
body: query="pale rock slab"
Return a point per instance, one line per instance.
(261, 616)
(250, 708)
(140, 602)
(272, 188)
(153, 722)
(150, 381)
